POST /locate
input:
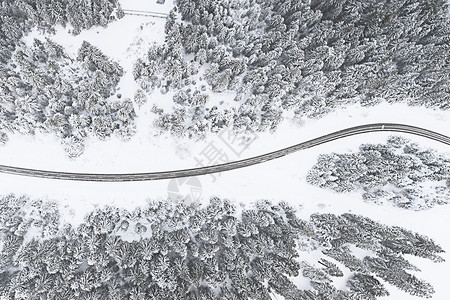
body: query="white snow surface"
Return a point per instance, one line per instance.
(283, 179)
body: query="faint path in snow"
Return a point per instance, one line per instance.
(231, 165)
(145, 13)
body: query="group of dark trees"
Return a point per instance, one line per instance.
(180, 251)
(44, 89)
(18, 17)
(309, 57)
(399, 172)
(49, 91)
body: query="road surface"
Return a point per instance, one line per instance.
(231, 165)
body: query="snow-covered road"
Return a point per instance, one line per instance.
(230, 165)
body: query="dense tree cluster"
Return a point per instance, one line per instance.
(399, 172)
(45, 89)
(309, 57)
(42, 88)
(179, 251)
(18, 17)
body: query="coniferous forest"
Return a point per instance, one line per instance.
(44, 89)
(179, 251)
(308, 57)
(273, 58)
(399, 172)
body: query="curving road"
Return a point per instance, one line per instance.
(231, 165)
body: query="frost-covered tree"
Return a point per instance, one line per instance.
(307, 57)
(140, 98)
(166, 250)
(43, 87)
(41, 94)
(399, 172)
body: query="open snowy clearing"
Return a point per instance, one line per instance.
(144, 151)
(281, 179)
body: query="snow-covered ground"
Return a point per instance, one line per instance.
(281, 179)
